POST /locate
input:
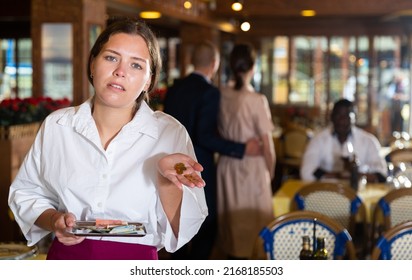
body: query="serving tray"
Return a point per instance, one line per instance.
(89, 228)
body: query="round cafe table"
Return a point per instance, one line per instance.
(370, 195)
(17, 251)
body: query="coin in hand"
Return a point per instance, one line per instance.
(180, 168)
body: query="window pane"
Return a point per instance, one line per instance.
(302, 73)
(24, 80)
(319, 70)
(7, 69)
(308, 70)
(392, 110)
(362, 64)
(301, 69)
(280, 69)
(337, 75)
(57, 57)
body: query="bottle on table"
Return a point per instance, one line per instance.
(306, 253)
(354, 173)
(321, 253)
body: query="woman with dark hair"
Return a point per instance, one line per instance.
(112, 158)
(244, 185)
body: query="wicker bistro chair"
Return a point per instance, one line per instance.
(335, 200)
(392, 209)
(398, 156)
(282, 239)
(339, 202)
(395, 243)
(293, 143)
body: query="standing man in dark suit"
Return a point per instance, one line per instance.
(194, 101)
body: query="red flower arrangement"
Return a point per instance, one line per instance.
(29, 110)
(157, 97)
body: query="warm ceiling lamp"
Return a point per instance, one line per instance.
(150, 14)
(187, 5)
(237, 6)
(245, 26)
(307, 13)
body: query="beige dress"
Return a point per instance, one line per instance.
(244, 185)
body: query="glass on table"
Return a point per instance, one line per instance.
(347, 155)
(363, 177)
(400, 176)
(347, 151)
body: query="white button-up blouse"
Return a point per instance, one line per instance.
(67, 169)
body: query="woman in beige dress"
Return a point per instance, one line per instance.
(244, 185)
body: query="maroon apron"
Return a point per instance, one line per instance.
(90, 249)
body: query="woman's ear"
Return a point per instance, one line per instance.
(146, 87)
(148, 83)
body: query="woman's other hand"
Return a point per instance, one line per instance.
(61, 224)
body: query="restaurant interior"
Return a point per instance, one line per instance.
(310, 54)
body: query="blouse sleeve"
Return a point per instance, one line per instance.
(193, 209)
(28, 197)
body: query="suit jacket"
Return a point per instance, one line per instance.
(195, 103)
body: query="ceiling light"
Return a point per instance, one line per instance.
(227, 27)
(307, 13)
(245, 26)
(237, 6)
(150, 14)
(187, 5)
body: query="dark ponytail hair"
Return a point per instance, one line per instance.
(242, 59)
